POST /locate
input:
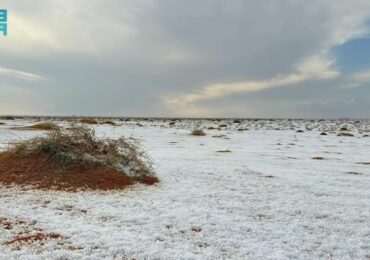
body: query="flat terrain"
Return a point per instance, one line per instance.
(254, 189)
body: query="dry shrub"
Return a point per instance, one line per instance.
(354, 173)
(198, 132)
(47, 126)
(345, 134)
(108, 122)
(89, 121)
(80, 144)
(7, 117)
(196, 229)
(317, 158)
(364, 163)
(224, 151)
(77, 156)
(219, 136)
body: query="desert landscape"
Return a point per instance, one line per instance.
(227, 189)
(198, 129)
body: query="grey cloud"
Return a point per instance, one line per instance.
(126, 57)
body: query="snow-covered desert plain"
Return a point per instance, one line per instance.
(249, 189)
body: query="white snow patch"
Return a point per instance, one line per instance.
(266, 199)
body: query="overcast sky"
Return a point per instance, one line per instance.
(190, 58)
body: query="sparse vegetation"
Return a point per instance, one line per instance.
(7, 118)
(364, 163)
(198, 132)
(220, 136)
(345, 134)
(354, 173)
(196, 229)
(76, 158)
(46, 126)
(89, 121)
(108, 122)
(224, 151)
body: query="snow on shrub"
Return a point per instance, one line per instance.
(75, 159)
(80, 144)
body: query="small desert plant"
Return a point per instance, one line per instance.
(224, 151)
(7, 117)
(345, 134)
(79, 144)
(44, 126)
(108, 122)
(198, 132)
(317, 158)
(47, 126)
(90, 121)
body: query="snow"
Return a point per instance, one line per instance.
(266, 199)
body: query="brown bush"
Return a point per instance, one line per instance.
(47, 126)
(224, 151)
(198, 132)
(7, 117)
(75, 159)
(89, 121)
(108, 122)
(345, 134)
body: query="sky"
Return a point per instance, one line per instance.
(186, 58)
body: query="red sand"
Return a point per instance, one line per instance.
(43, 173)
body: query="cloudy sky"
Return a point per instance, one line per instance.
(189, 58)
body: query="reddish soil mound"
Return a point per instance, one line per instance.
(41, 172)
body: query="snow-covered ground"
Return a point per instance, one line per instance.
(266, 199)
